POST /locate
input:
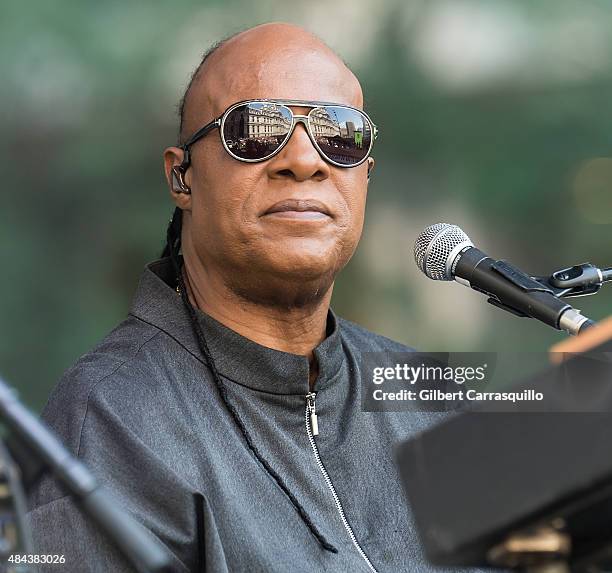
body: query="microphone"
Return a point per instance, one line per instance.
(445, 253)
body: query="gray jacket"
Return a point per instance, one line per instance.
(142, 411)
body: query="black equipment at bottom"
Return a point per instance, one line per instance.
(528, 489)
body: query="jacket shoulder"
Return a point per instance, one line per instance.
(120, 358)
(119, 346)
(365, 340)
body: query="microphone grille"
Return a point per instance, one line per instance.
(435, 245)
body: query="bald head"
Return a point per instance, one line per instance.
(234, 237)
(274, 61)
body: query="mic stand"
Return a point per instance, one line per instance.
(15, 539)
(579, 280)
(31, 437)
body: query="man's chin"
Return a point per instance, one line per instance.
(288, 283)
(302, 267)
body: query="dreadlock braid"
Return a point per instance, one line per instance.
(172, 249)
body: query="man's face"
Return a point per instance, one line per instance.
(280, 257)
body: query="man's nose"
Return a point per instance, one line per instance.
(299, 159)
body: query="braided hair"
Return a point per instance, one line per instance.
(172, 250)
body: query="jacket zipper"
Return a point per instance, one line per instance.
(312, 429)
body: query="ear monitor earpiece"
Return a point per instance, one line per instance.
(178, 181)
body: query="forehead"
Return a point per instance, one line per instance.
(293, 73)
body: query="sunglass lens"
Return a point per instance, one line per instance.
(257, 129)
(344, 135)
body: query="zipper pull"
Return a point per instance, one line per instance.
(314, 424)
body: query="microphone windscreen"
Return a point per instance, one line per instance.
(436, 247)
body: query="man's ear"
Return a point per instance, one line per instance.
(371, 163)
(176, 177)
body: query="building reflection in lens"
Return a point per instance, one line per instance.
(255, 130)
(342, 134)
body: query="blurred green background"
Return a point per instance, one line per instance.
(494, 115)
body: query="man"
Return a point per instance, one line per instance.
(224, 412)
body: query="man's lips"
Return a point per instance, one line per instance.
(299, 209)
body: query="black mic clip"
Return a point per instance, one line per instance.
(520, 279)
(579, 280)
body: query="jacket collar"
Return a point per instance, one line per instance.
(237, 358)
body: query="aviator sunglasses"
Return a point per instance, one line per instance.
(256, 130)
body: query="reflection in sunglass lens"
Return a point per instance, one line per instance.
(343, 134)
(257, 129)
